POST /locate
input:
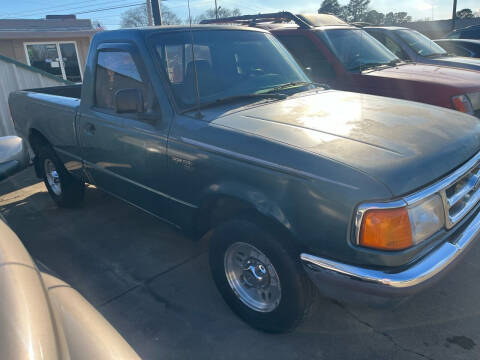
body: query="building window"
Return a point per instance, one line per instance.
(57, 58)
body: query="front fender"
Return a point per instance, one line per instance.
(246, 197)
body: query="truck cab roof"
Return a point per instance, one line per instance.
(145, 31)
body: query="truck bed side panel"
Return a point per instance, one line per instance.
(54, 118)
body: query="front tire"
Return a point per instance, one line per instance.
(64, 189)
(258, 277)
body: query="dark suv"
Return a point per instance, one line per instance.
(470, 32)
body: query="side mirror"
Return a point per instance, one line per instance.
(13, 156)
(129, 101)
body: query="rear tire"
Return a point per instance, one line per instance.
(64, 189)
(258, 277)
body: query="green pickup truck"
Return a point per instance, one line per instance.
(217, 130)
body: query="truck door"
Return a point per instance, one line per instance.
(124, 152)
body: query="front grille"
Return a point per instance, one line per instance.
(462, 195)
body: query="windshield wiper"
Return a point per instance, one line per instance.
(233, 98)
(367, 66)
(395, 62)
(437, 55)
(371, 65)
(289, 85)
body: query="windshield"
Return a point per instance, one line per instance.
(357, 49)
(420, 43)
(227, 63)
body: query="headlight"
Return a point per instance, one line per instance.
(474, 100)
(462, 103)
(426, 218)
(399, 227)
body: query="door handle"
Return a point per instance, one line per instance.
(89, 128)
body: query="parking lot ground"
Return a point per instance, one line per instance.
(153, 284)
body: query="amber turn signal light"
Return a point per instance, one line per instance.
(386, 229)
(462, 103)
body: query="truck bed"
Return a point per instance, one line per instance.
(50, 111)
(73, 91)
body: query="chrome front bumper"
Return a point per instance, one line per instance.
(385, 283)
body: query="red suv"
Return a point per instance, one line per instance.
(348, 58)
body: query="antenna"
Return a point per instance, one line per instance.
(197, 92)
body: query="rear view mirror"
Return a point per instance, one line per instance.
(129, 101)
(13, 156)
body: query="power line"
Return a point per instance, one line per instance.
(23, 13)
(195, 4)
(255, 8)
(110, 8)
(61, 8)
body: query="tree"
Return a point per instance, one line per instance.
(465, 14)
(401, 17)
(138, 17)
(356, 10)
(330, 7)
(98, 25)
(374, 17)
(222, 13)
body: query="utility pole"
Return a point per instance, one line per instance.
(454, 14)
(216, 10)
(149, 13)
(157, 12)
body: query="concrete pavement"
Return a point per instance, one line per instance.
(153, 284)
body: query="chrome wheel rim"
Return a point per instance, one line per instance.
(252, 277)
(52, 176)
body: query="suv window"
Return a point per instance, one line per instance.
(117, 70)
(390, 44)
(311, 59)
(457, 49)
(356, 49)
(419, 43)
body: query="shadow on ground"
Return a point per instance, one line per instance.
(153, 284)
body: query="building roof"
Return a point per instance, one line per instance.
(42, 28)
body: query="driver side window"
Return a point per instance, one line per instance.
(117, 70)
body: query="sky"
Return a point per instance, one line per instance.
(102, 10)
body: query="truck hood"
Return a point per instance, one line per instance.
(404, 145)
(440, 75)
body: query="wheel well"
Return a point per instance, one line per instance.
(226, 208)
(36, 141)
